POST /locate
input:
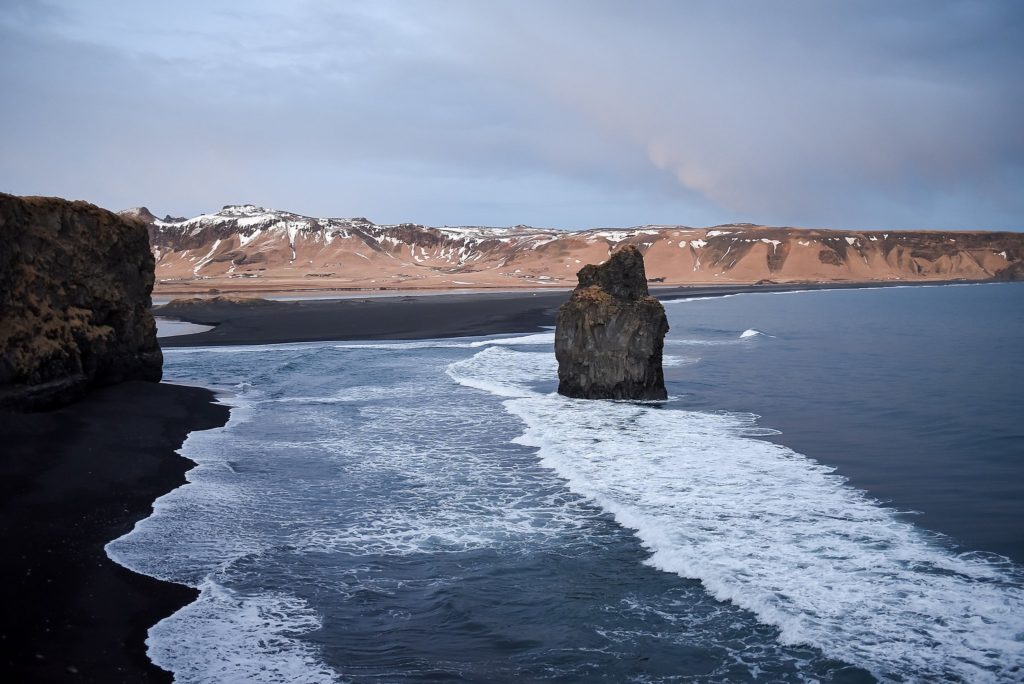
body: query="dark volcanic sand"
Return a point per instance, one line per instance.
(397, 318)
(72, 480)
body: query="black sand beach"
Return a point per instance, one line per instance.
(72, 480)
(402, 317)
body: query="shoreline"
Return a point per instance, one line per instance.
(411, 317)
(163, 296)
(78, 477)
(74, 479)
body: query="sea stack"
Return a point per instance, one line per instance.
(610, 335)
(75, 286)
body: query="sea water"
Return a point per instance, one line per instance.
(431, 510)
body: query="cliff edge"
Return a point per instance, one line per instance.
(75, 286)
(610, 335)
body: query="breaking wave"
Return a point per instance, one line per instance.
(771, 530)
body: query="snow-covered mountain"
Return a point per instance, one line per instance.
(245, 247)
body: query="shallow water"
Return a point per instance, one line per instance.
(430, 510)
(169, 327)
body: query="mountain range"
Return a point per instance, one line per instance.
(248, 248)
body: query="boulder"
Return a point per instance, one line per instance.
(610, 335)
(75, 286)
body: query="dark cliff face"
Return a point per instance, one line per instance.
(610, 335)
(75, 285)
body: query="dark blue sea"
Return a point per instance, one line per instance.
(833, 492)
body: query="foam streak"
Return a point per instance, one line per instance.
(774, 532)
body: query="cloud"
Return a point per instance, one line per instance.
(794, 114)
(569, 113)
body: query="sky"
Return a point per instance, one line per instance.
(557, 113)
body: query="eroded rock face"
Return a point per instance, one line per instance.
(75, 285)
(610, 335)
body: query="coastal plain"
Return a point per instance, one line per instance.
(251, 320)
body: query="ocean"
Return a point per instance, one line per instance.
(832, 492)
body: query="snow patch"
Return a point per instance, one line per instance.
(206, 259)
(243, 239)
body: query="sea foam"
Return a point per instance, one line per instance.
(253, 638)
(771, 530)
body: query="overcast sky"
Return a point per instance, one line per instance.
(556, 113)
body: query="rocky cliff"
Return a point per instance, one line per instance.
(248, 248)
(610, 335)
(75, 284)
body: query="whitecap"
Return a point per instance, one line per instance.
(750, 332)
(503, 372)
